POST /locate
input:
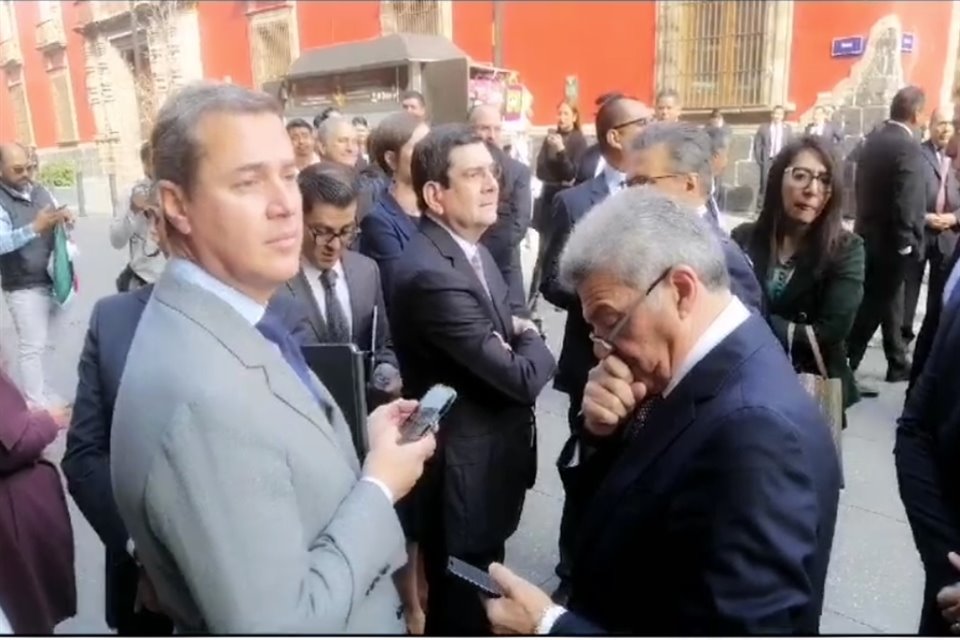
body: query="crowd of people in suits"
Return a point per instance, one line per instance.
(701, 480)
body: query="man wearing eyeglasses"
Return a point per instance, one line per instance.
(619, 120)
(28, 216)
(338, 290)
(718, 505)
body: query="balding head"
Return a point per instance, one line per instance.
(15, 166)
(487, 122)
(618, 121)
(942, 127)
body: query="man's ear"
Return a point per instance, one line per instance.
(173, 205)
(433, 196)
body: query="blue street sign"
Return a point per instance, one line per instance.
(847, 47)
(907, 43)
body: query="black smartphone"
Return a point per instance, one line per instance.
(477, 578)
(434, 404)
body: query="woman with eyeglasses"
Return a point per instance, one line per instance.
(394, 213)
(810, 267)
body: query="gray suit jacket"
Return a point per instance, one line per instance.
(239, 490)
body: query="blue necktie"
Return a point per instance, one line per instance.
(273, 330)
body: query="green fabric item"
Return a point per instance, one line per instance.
(61, 267)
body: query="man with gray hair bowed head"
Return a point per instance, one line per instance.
(232, 466)
(718, 503)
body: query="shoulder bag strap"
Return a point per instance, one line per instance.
(815, 347)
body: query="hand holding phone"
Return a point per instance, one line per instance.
(475, 577)
(434, 405)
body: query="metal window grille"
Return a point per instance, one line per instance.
(714, 54)
(411, 16)
(271, 46)
(21, 114)
(63, 106)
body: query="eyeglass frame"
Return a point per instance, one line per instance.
(825, 179)
(644, 121)
(341, 235)
(606, 343)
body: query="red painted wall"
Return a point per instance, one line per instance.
(608, 45)
(225, 41)
(39, 93)
(330, 22)
(816, 24)
(473, 29)
(76, 60)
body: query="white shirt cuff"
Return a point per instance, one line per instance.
(380, 485)
(549, 618)
(906, 251)
(131, 548)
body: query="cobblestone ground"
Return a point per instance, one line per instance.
(875, 580)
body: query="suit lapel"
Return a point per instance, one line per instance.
(498, 292)
(362, 299)
(673, 418)
(931, 156)
(599, 190)
(450, 250)
(231, 330)
(300, 288)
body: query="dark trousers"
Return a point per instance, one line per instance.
(882, 307)
(914, 280)
(513, 276)
(124, 595)
(573, 505)
(764, 170)
(931, 622)
(454, 608)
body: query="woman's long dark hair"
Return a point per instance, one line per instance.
(826, 232)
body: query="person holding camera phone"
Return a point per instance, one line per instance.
(134, 229)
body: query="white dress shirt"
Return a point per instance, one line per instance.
(340, 288)
(601, 165)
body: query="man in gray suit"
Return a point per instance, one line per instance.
(232, 468)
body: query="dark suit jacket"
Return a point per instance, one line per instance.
(762, 142)
(366, 295)
(891, 197)
(587, 168)
(926, 453)
(385, 231)
(931, 322)
(832, 132)
(514, 209)
(944, 241)
(86, 461)
(826, 301)
(443, 328)
(576, 354)
(718, 517)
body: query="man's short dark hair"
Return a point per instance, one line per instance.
(604, 98)
(908, 102)
(431, 156)
(326, 113)
(328, 183)
(360, 121)
(298, 123)
(411, 94)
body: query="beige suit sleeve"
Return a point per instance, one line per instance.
(221, 501)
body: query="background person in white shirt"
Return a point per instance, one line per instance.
(134, 228)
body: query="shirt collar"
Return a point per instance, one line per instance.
(613, 178)
(469, 249)
(726, 323)
(187, 271)
(313, 273)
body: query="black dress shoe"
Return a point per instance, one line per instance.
(898, 375)
(867, 391)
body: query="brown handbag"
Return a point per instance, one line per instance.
(826, 391)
